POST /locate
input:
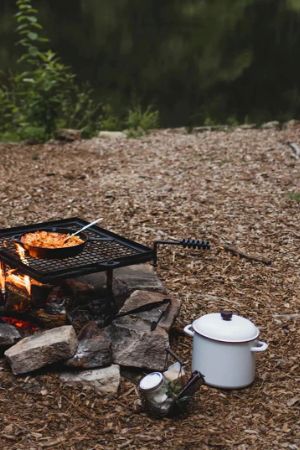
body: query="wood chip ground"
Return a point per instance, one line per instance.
(229, 187)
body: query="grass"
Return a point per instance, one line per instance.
(294, 196)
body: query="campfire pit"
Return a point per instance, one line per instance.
(105, 251)
(42, 287)
(114, 303)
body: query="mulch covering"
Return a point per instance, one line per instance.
(228, 187)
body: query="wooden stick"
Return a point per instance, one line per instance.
(237, 252)
(287, 316)
(295, 148)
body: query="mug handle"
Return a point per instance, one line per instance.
(260, 346)
(188, 329)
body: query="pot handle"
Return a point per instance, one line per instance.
(260, 346)
(188, 329)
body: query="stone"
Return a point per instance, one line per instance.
(114, 135)
(99, 287)
(68, 134)
(9, 335)
(90, 330)
(290, 124)
(247, 126)
(41, 349)
(135, 345)
(79, 289)
(94, 286)
(269, 125)
(140, 277)
(94, 348)
(143, 298)
(210, 128)
(103, 381)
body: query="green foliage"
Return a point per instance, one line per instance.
(109, 121)
(232, 121)
(140, 122)
(294, 5)
(6, 110)
(209, 122)
(295, 196)
(43, 96)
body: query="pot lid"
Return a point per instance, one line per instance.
(151, 381)
(226, 327)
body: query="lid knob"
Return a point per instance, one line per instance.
(226, 315)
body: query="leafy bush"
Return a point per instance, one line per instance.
(45, 95)
(140, 122)
(109, 121)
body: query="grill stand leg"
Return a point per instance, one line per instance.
(109, 280)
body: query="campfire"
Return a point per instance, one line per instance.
(21, 273)
(90, 307)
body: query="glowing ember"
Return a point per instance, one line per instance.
(19, 323)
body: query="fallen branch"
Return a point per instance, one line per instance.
(237, 252)
(295, 148)
(214, 298)
(52, 442)
(287, 316)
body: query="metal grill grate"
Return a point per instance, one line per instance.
(106, 250)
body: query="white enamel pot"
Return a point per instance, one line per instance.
(224, 349)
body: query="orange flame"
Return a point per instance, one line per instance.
(21, 253)
(2, 278)
(21, 281)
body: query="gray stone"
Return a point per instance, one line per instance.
(172, 312)
(269, 125)
(9, 335)
(247, 126)
(68, 134)
(143, 298)
(79, 289)
(112, 135)
(135, 345)
(290, 124)
(94, 348)
(98, 289)
(210, 128)
(139, 277)
(103, 381)
(42, 349)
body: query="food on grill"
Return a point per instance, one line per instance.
(50, 239)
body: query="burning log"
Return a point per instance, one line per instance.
(40, 293)
(52, 315)
(52, 312)
(16, 299)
